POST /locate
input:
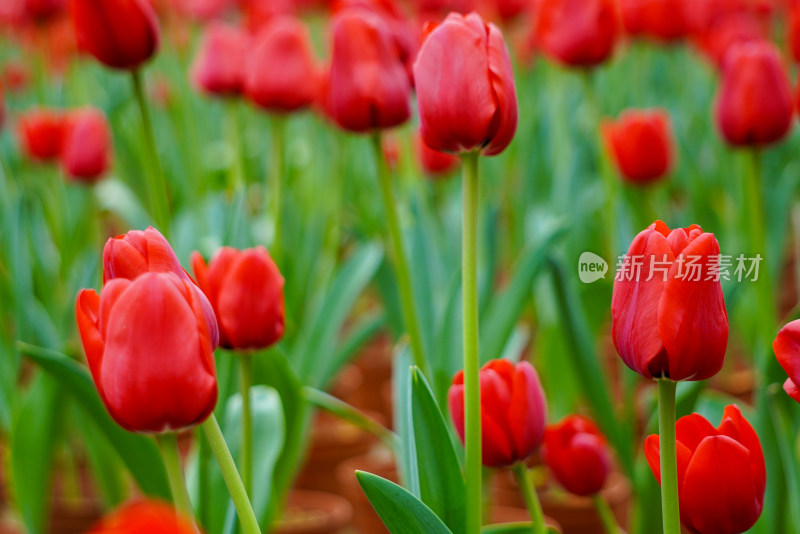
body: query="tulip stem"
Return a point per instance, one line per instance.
(400, 260)
(606, 515)
(246, 382)
(531, 497)
(472, 392)
(669, 456)
(155, 181)
(757, 229)
(278, 174)
(172, 461)
(232, 480)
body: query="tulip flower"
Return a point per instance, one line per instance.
(665, 20)
(433, 162)
(138, 252)
(205, 10)
(641, 144)
(218, 68)
(465, 87)
(41, 134)
(578, 455)
(281, 73)
(794, 31)
(754, 103)
(578, 33)
(245, 289)
(721, 472)
(43, 10)
(787, 350)
(121, 34)
(513, 411)
(727, 33)
(667, 309)
(86, 151)
(144, 517)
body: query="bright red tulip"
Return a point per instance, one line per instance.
(794, 31)
(578, 33)
(86, 152)
(245, 288)
(205, 10)
(667, 309)
(465, 87)
(41, 134)
(665, 20)
(513, 411)
(122, 34)
(640, 142)
(138, 252)
(577, 454)
(281, 73)
(144, 517)
(218, 68)
(787, 350)
(433, 162)
(754, 102)
(721, 472)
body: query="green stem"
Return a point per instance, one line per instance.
(472, 392)
(154, 177)
(400, 260)
(669, 456)
(606, 515)
(531, 498)
(172, 460)
(278, 175)
(236, 178)
(246, 382)
(757, 235)
(235, 487)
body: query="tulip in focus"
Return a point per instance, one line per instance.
(641, 144)
(721, 472)
(787, 350)
(41, 134)
(86, 152)
(139, 252)
(218, 68)
(578, 33)
(577, 454)
(513, 411)
(144, 517)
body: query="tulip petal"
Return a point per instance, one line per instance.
(791, 389)
(692, 429)
(527, 410)
(735, 426)
(501, 77)
(787, 350)
(87, 312)
(455, 400)
(652, 452)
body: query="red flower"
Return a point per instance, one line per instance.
(577, 454)
(138, 252)
(513, 411)
(579, 33)
(205, 10)
(281, 72)
(465, 87)
(794, 31)
(144, 517)
(754, 103)
(667, 310)
(218, 68)
(641, 143)
(121, 34)
(729, 32)
(86, 152)
(721, 472)
(42, 10)
(787, 350)
(41, 134)
(245, 288)
(435, 163)
(662, 19)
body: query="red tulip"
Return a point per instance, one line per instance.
(245, 288)
(577, 454)
(465, 87)
(367, 87)
(218, 68)
(42, 10)
(513, 411)
(205, 10)
(281, 72)
(510, 9)
(138, 252)
(641, 143)
(433, 162)
(729, 32)
(787, 349)
(41, 134)
(721, 472)
(144, 517)
(662, 19)
(122, 34)
(578, 33)
(754, 103)
(667, 310)
(794, 31)
(86, 152)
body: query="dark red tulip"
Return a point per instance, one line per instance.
(665, 20)
(86, 152)
(144, 517)
(433, 162)
(245, 288)
(640, 142)
(218, 68)
(41, 134)
(669, 319)
(754, 102)
(465, 87)
(787, 350)
(43, 10)
(513, 411)
(577, 454)
(578, 33)
(721, 472)
(122, 34)
(281, 72)
(138, 252)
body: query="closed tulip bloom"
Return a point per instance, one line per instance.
(121, 34)
(754, 103)
(218, 68)
(367, 87)
(281, 73)
(144, 517)
(513, 411)
(41, 134)
(787, 350)
(465, 87)
(640, 142)
(577, 454)
(721, 472)
(435, 163)
(578, 33)
(138, 252)
(86, 152)
(664, 20)
(667, 309)
(245, 288)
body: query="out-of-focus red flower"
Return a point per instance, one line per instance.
(754, 101)
(205, 10)
(86, 152)
(669, 319)
(721, 472)
(787, 350)
(138, 252)
(218, 68)
(122, 34)
(578, 33)
(41, 133)
(727, 33)
(794, 31)
(665, 20)
(144, 517)
(433, 162)
(436, 10)
(577, 454)
(465, 87)
(16, 76)
(42, 10)
(641, 144)
(513, 411)
(257, 13)
(161, 92)
(245, 288)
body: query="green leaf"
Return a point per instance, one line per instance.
(522, 527)
(400, 511)
(403, 419)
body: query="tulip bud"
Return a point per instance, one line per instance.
(433, 162)
(721, 472)
(245, 289)
(513, 411)
(577, 454)
(121, 34)
(138, 252)
(665, 20)
(578, 33)
(41, 134)
(787, 350)
(144, 517)
(465, 87)
(667, 309)
(754, 103)
(87, 145)
(218, 68)
(640, 142)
